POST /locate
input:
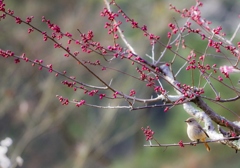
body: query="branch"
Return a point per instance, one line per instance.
(194, 143)
(215, 117)
(120, 31)
(223, 100)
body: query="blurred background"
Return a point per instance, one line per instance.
(47, 134)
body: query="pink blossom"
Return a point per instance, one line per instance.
(228, 69)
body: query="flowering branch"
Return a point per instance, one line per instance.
(229, 139)
(172, 78)
(194, 143)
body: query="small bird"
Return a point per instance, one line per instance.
(196, 133)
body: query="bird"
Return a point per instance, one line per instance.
(196, 133)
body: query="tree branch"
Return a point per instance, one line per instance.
(194, 143)
(215, 117)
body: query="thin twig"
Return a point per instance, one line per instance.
(194, 143)
(235, 33)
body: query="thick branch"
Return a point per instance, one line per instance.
(215, 117)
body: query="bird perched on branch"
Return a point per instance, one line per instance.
(196, 132)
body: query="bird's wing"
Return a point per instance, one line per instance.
(203, 130)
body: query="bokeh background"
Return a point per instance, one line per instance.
(47, 134)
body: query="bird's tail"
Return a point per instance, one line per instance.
(207, 147)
